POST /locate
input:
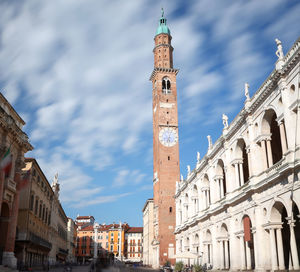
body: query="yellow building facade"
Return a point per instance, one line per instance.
(116, 239)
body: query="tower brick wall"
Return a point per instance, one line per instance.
(165, 144)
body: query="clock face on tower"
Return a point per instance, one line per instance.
(168, 136)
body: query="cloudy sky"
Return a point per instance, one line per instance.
(78, 72)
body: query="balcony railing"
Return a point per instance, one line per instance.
(63, 251)
(39, 241)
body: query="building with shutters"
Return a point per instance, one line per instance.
(33, 239)
(116, 242)
(134, 241)
(239, 208)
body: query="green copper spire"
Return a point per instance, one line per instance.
(162, 28)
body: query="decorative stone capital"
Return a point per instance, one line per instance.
(218, 177)
(237, 161)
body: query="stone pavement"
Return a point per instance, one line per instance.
(79, 268)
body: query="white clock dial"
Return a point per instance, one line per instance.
(168, 136)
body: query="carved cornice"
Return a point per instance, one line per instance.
(162, 70)
(9, 125)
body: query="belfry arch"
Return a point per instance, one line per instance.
(166, 85)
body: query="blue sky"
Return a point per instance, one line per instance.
(78, 73)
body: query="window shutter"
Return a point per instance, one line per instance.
(247, 229)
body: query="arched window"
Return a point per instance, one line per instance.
(241, 163)
(186, 206)
(275, 140)
(166, 85)
(206, 192)
(40, 210)
(221, 178)
(272, 146)
(195, 199)
(36, 206)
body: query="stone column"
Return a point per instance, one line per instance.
(248, 256)
(255, 248)
(298, 127)
(283, 137)
(241, 174)
(280, 249)
(219, 188)
(249, 162)
(242, 252)
(264, 155)
(205, 253)
(221, 262)
(226, 245)
(273, 249)
(294, 248)
(211, 254)
(269, 152)
(95, 242)
(237, 176)
(222, 187)
(206, 198)
(9, 258)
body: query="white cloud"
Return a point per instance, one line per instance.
(99, 200)
(127, 177)
(80, 70)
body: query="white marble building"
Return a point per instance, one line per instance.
(239, 208)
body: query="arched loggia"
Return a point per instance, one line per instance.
(272, 146)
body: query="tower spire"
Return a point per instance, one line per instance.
(162, 27)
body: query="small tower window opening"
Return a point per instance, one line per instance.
(170, 209)
(166, 85)
(168, 158)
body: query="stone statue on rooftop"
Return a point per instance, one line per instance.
(198, 156)
(209, 141)
(279, 52)
(55, 179)
(247, 91)
(181, 177)
(225, 120)
(188, 169)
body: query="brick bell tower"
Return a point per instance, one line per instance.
(165, 145)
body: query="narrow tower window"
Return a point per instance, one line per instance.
(166, 85)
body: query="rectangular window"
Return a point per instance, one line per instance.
(31, 202)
